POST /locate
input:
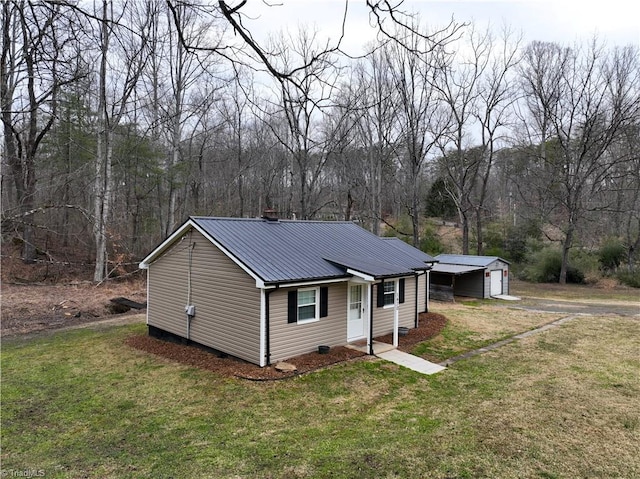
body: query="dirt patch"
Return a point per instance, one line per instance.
(430, 325)
(29, 308)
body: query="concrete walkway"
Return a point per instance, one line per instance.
(388, 352)
(410, 361)
(491, 347)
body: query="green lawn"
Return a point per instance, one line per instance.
(562, 404)
(475, 324)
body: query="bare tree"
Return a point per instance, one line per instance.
(422, 121)
(494, 113)
(234, 112)
(458, 83)
(377, 100)
(185, 70)
(114, 93)
(34, 65)
(301, 105)
(581, 100)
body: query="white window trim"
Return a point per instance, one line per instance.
(317, 305)
(395, 294)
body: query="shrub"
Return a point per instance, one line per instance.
(586, 263)
(511, 242)
(630, 278)
(430, 242)
(611, 254)
(544, 267)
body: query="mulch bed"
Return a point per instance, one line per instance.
(430, 325)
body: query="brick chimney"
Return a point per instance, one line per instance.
(270, 214)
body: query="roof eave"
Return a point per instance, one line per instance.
(296, 282)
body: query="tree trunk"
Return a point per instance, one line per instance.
(465, 232)
(566, 247)
(102, 186)
(415, 211)
(479, 234)
(20, 152)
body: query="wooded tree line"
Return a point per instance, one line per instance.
(121, 119)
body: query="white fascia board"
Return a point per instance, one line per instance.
(363, 276)
(311, 282)
(144, 264)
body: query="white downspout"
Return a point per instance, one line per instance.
(396, 312)
(263, 322)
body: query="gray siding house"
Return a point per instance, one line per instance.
(265, 290)
(468, 275)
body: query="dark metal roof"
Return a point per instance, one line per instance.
(468, 260)
(286, 251)
(370, 266)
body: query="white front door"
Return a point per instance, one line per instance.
(356, 313)
(496, 282)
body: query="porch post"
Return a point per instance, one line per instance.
(370, 332)
(428, 287)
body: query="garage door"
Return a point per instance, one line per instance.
(496, 282)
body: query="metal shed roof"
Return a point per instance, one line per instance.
(468, 260)
(285, 251)
(454, 268)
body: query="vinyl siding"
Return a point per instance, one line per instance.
(422, 293)
(292, 339)
(505, 280)
(383, 317)
(226, 299)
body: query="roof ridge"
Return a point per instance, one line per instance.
(259, 219)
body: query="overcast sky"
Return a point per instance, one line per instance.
(564, 21)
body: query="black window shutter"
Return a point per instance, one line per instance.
(401, 292)
(380, 295)
(293, 307)
(324, 302)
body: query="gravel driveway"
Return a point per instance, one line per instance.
(577, 307)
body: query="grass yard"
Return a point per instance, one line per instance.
(477, 323)
(562, 404)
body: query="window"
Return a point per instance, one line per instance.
(307, 304)
(389, 292)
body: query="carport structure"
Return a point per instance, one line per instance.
(468, 275)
